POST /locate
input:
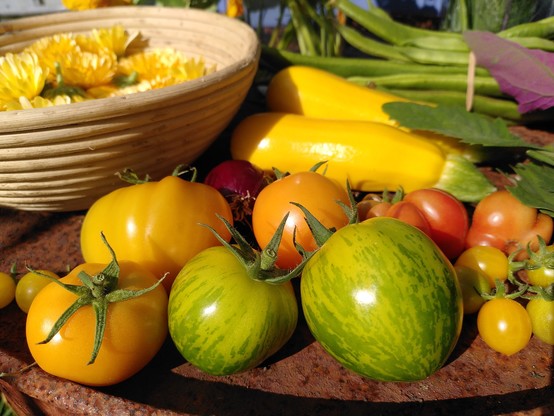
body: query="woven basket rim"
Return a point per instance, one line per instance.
(40, 118)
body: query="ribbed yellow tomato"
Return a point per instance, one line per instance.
(156, 224)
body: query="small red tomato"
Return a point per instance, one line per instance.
(447, 218)
(409, 213)
(501, 220)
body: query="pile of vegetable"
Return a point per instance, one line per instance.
(474, 67)
(366, 263)
(374, 203)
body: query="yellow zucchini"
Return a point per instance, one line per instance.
(314, 92)
(371, 156)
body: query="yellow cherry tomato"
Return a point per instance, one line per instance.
(541, 312)
(7, 289)
(504, 325)
(491, 261)
(30, 285)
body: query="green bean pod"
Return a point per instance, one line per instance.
(487, 86)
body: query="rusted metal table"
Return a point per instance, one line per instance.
(300, 380)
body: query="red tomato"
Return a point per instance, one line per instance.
(502, 221)
(447, 218)
(315, 192)
(409, 213)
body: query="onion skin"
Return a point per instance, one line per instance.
(240, 182)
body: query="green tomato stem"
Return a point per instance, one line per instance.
(98, 291)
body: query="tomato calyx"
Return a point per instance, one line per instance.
(98, 291)
(130, 176)
(540, 258)
(260, 264)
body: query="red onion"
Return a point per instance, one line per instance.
(240, 182)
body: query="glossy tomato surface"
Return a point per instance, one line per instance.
(504, 325)
(135, 329)
(489, 260)
(502, 221)
(29, 285)
(447, 218)
(541, 312)
(224, 322)
(383, 300)
(317, 193)
(155, 224)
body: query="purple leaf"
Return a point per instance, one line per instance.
(525, 74)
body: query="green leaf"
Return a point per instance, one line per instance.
(534, 186)
(545, 156)
(455, 121)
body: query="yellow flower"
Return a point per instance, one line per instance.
(20, 76)
(106, 91)
(113, 40)
(50, 49)
(235, 8)
(93, 4)
(162, 67)
(80, 68)
(87, 69)
(39, 102)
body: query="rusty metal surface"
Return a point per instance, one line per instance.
(300, 380)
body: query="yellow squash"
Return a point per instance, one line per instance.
(314, 92)
(371, 156)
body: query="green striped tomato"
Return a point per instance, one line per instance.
(383, 300)
(224, 322)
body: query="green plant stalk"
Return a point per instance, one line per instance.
(389, 30)
(457, 17)
(327, 37)
(533, 42)
(494, 107)
(487, 86)
(370, 46)
(438, 43)
(543, 28)
(348, 67)
(435, 57)
(305, 34)
(496, 15)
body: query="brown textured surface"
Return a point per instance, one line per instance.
(300, 380)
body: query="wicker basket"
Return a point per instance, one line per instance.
(63, 158)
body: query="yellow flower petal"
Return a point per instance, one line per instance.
(20, 76)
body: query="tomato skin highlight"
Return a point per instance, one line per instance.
(502, 221)
(541, 312)
(7, 289)
(504, 325)
(29, 285)
(489, 260)
(447, 218)
(473, 283)
(224, 322)
(383, 300)
(135, 329)
(315, 192)
(155, 224)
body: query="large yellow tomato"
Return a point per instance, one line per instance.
(156, 224)
(135, 328)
